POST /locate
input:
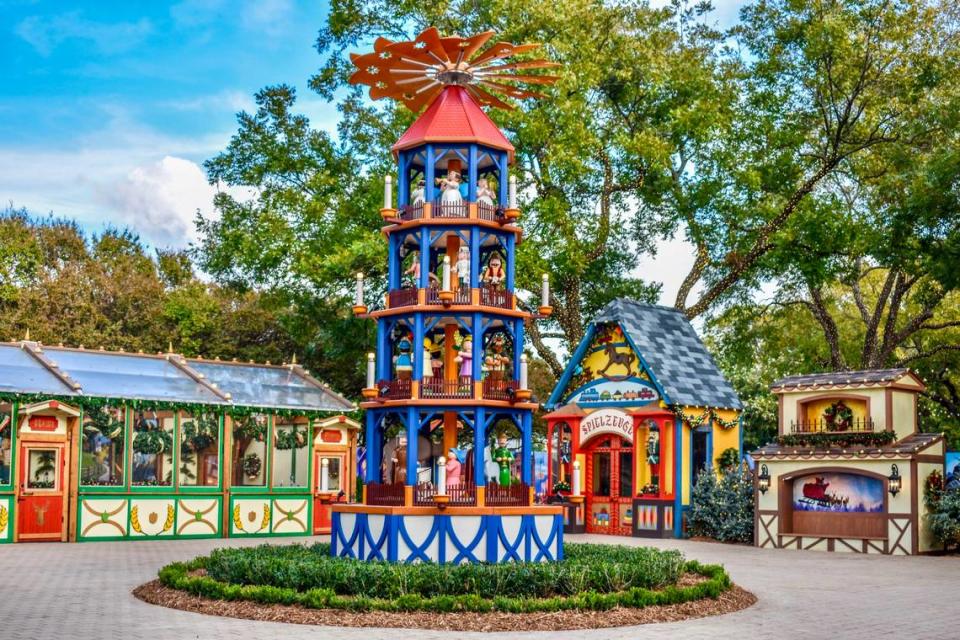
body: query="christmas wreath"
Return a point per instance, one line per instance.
(839, 417)
(933, 488)
(252, 465)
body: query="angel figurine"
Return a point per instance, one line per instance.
(465, 360)
(485, 193)
(451, 188)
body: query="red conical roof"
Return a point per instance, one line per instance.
(454, 117)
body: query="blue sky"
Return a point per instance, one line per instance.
(109, 108)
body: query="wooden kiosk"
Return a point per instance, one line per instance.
(640, 410)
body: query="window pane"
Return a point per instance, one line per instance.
(626, 474)
(250, 451)
(42, 468)
(333, 484)
(6, 434)
(199, 450)
(291, 455)
(153, 448)
(601, 474)
(101, 462)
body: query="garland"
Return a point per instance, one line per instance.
(89, 403)
(708, 414)
(247, 427)
(104, 421)
(827, 439)
(199, 432)
(290, 438)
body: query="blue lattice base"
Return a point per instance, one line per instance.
(528, 535)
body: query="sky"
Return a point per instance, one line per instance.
(108, 109)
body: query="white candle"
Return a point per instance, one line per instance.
(441, 476)
(575, 485)
(512, 195)
(446, 273)
(545, 291)
(358, 296)
(523, 371)
(371, 371)
(387, 192)
(325, 474)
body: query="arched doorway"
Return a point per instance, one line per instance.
(609, 480)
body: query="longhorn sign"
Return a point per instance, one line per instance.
(40, 510)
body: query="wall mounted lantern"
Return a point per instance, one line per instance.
(763, 480)
(894, 481)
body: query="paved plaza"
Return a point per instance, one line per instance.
(82, 591)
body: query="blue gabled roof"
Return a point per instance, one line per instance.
(673, 353)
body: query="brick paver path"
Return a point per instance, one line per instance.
(82, 591)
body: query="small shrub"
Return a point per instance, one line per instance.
(722, 507)
(944, 518)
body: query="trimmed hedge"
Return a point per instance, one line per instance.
(176, 576)
(599, 568)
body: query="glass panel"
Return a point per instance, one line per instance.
(333, 474)
(130, 376)
(6, 434)
(20, 372)
(199, 450)
(626, 474)
(153, 448)
(259, 386)
(601, 474)
(291, 456)
(102, 456)
(250, 451)
(42, 468)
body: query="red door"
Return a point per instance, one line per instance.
(610, 487)
(327, 491)
(40, 506)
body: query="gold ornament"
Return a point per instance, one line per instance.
(135, 519)
(237, 521)
(3, 519)
(170, 516)
(266, 517)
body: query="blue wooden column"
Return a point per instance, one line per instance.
(373, 448)
(403, 179)
(474, 235)
(429, 175)
(472, 174)
(510, 259)
(424, 258)
(526, 433)
(479, 442)
(413, 432)
(383, 350)
(477, 337)
(677, 477)
(418, 335)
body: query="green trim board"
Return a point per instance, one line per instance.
(14, 411)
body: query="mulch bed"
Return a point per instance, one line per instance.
(732, 600)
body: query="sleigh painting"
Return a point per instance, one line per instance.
(838, 492)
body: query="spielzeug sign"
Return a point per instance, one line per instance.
(603, 421)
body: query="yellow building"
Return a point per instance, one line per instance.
(848, 468)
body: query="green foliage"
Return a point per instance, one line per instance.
(586, 568)
(259, 575)
(722, 507)
(944, 518)
(822, 440)
(729, 459)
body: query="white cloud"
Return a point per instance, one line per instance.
(225, 100)
(159, 199)
(271, 17)
(45, 34)
(670, 266)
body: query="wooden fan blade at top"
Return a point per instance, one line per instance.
(429, 41)
(461, 49)
(513, 92)
(502, 50)
(417, 101)
(395, 90)
(529, 64)
(485, 97)
(381, 43)
(530, 79)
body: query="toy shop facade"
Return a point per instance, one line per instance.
(640, 410)
(99, 445)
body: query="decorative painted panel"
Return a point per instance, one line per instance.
(150, 517)
(103, 518)
(6, 519)
(198, 516)
(610, 374)
(291, 515)
(250, 516)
